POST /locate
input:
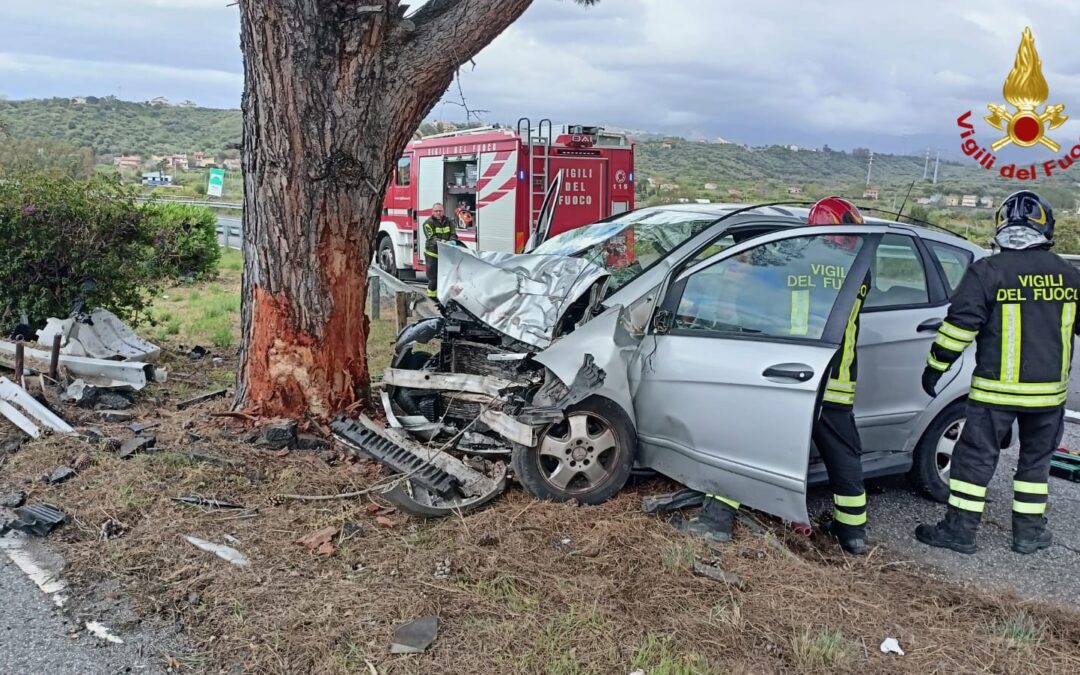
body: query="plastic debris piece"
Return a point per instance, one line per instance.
(891, 646)
(227, 553)
(416, 636)
(207, 502)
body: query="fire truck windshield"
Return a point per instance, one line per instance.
(628, 245)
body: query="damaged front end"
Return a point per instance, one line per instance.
(489, 383)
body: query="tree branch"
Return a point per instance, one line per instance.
(449, 33)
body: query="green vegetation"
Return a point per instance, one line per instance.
(659, 655)
(184, 238)
(825, 649)
(1021, 631)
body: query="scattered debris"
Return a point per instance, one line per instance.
(383, 521)
(891, 646)
(111, 529)
(89, 396)
(134, 446)
(82, 461)
(96, 372)
(279, 435)
(716, 574)
(321, 541)
(351, 529)
(217, 361)
(12, 500)
(231, 539)
(61, 474)
(197, 352)
(416, 636)
(16, 404)
(98, 630)
(37, 519)
(1065, 464)
(443, 569)
(310, 442)
(207, 502)
(101, 336)
(140, 427)
(227, 553)
(201, 399)
(11, 443)
(683, 499)
(115, 416)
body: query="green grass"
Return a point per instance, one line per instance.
(658, 655)
(1020, 631)
(504, 591)
(565, 636)
(824, 649)
(678, 557)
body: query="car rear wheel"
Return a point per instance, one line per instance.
(933, 455)
(587, 457)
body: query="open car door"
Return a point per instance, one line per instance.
(728, 380)
(546, 216)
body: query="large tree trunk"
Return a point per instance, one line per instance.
(333, 91)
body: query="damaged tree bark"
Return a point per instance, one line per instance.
(333, 91)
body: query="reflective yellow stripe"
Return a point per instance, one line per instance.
(845, 500)
(1017, 400)
(935, 364)
(841, 385)
(431, 254)
(1068, 318)
(800, 312)
(966, 504)
(1010, 342)
(957, 333)
(730, 502)
(431, 294)
(1031, 488)
(967, 488)
(950, 344)
(849, 341)
(839, 397)
(1020, 387)
(1029, 508)
(848, 518)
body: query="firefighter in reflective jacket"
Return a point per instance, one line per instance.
(436, 228)
(1019, 308)
(835, 434)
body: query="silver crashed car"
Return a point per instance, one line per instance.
(661, 340)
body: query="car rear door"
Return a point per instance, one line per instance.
(728, 379)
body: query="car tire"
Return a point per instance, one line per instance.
(933, 455)
(385, 258)
(596, 432)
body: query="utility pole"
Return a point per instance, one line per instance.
(926, 164)
(937, 161)
(869, 167)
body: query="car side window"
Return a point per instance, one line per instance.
(783, 289)
(404, 171)
(954, 261)
(898, 278)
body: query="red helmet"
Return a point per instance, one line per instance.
(834, 211)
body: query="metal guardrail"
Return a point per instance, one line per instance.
(194, 201)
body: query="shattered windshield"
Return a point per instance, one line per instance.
(629, 245)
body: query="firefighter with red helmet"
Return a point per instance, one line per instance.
(835, 433)
(1019, 308)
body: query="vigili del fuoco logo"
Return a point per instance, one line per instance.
(1021, 120)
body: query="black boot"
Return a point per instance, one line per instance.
(956, 532)
(1030, 533)
(714, 522)
(852, 539)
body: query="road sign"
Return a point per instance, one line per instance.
(216, 187)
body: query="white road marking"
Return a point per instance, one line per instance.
(49, 583)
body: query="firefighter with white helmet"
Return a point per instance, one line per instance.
(1019, 308)
(835, 434)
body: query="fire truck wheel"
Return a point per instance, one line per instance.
(385, 256)
(586, 458)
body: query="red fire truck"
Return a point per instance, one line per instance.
(493, 183)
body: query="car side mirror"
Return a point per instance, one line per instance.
(662, 321)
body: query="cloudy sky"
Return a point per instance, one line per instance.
(890, 75)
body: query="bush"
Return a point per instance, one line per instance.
(56, 233)
(185, 240)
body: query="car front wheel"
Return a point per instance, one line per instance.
(385, 257)
(933, 455)
(587, 457)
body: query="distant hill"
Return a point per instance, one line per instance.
(111, 126)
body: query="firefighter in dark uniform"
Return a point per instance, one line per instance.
(436, 228)
(1019, 308)
(835, 434)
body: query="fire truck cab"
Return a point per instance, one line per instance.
(493, 182)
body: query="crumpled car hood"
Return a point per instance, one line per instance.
(522, 296)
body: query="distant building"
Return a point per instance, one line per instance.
(794, 190)
(79, 100)
(703, 201)
(952, 200)
(128, 161)
(668, 187)
(201, 161)
(178, 162)
(793, 148)
(936, 198)
(987, 202)
(231, 164)
(923, 200)
(872, 192)
(722, 141)
(712, 187)
(666, 145)
(969, 201)
(156, 178)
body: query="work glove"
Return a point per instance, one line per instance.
(930, 379)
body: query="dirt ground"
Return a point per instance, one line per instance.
(520, 587)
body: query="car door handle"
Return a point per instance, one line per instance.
(930, 325)
(789, 371)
